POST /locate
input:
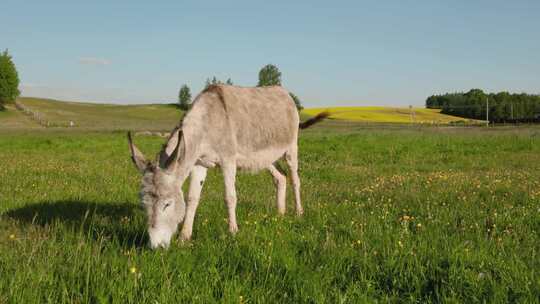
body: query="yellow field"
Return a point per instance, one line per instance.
(389, 115)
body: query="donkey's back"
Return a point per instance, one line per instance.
(255, 126)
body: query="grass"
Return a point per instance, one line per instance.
(91, 116)
(392, 215)
(389, 115)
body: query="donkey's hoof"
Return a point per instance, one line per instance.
(185, 237)
(233, 229)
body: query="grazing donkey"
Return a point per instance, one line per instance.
(228, 126)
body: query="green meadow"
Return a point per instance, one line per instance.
(104, 117)
(393, 214)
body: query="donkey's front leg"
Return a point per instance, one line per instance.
(229, 176)
(198, 175)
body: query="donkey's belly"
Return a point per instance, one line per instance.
(255, 161)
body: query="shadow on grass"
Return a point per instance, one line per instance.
(111, 221)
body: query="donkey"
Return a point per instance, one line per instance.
(230, 127)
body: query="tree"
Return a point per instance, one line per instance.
(9, 79)
(269, 75)
(214, 81)
(184, 97)
(297, 102)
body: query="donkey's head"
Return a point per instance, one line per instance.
(161, 192)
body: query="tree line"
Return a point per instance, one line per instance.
(501, 107)
(269, 75)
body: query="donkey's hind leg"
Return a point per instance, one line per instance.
(229, 176)
(292, 161)
(280, 181)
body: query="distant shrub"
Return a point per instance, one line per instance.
(297, 102)
(184, 97)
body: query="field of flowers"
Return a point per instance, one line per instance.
(390, 115)
(392, 215)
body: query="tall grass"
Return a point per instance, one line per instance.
(391, 216)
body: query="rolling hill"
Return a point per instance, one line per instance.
(94, 116)
(162, 117)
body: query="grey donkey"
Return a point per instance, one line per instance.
(233, 128)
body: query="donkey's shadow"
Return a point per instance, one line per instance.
(119, 222)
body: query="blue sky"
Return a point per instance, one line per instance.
(329, 52)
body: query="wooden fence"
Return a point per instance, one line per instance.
(40, 118)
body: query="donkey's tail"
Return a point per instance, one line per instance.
(308, 123)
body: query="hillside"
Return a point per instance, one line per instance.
(11, 119)
(163, 117)
(389, 115)
(104, 116)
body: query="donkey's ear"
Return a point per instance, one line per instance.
(166, 160)
(136, 155)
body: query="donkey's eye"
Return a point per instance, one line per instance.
(166, 205)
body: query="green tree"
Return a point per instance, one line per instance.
(214, 81)
(297, 102)
(9, 79)
(269, 75)
(184, 97)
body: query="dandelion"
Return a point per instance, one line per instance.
(400, 244)
(419, 225)
(12, 236)
(133, 269)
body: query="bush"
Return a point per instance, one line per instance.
(184, 97)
